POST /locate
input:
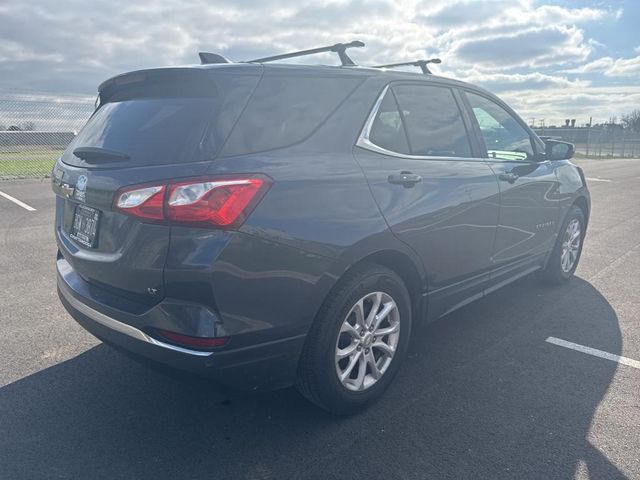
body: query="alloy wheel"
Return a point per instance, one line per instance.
(367, 341)
(570, 245)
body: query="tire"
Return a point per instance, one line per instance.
(319, 368)
(559, 268)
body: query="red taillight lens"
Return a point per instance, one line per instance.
(218, 202)
(192, 342)
(141, 202)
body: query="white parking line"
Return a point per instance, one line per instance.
(596, 179)
(17, 202)
(596, 353)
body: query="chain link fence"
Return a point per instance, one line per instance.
(35, 128)
(598, 141)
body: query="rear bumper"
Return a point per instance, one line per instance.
(255, 367)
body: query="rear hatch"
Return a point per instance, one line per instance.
(150, 126)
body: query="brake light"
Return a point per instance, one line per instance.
(218, 202)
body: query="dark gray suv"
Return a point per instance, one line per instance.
(270, 225)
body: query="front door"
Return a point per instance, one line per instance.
(529, 200)
(433, 193)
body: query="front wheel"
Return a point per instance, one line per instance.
(566, 253)
(357, 342)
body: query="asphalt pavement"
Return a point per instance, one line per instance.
(483, 394)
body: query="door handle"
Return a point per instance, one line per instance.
(406, 179)
(509, 177)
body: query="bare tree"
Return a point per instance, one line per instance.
(631, 121)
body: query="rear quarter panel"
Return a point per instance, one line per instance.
(268, 280)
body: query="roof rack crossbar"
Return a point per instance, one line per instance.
(339, 48)
(418, 63)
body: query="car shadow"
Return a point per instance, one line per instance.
(482, 395)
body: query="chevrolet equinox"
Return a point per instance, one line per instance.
(267, 225)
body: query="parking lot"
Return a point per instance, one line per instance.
(483, 394)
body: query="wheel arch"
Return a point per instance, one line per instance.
(404, 264)
(583, 204)
(404, 267)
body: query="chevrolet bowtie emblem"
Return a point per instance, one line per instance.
(66, 190)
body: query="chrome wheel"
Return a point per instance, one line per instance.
(367, 341)
(570, 245)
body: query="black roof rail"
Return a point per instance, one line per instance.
(207, 58)
(339, 48)
(418, 63)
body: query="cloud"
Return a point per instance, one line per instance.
(599, 65)
(506, 45)
(533, 47)
(493, 13)
(624, 67)
(610, 67)
(461, 14)
(468, 21)
(504, 82)
(556, 15)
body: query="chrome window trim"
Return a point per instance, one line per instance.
(365, 142)
(126, 329)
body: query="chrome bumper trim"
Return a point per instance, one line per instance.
(133, 332)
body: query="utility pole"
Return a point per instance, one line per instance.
(589, 134)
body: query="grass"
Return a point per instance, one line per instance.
(31, 163)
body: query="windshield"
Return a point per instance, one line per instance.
(151, 131)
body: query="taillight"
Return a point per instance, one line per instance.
(146, 202)
(217, 202)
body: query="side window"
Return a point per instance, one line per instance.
(433, 121)
(387, 130)
(285, 109)
(503, 135)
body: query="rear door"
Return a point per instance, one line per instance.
(433, 192)
(150, 127)
(530, 207)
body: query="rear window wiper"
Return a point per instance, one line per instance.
(98, 154)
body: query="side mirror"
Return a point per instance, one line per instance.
(558, 150)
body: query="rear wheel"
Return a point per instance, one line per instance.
(358, 341)
(566, 253)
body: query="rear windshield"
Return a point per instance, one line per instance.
(165, 116)
(152, 131)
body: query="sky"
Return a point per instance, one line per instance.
(550, 60)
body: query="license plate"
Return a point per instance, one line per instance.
(85, 225)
